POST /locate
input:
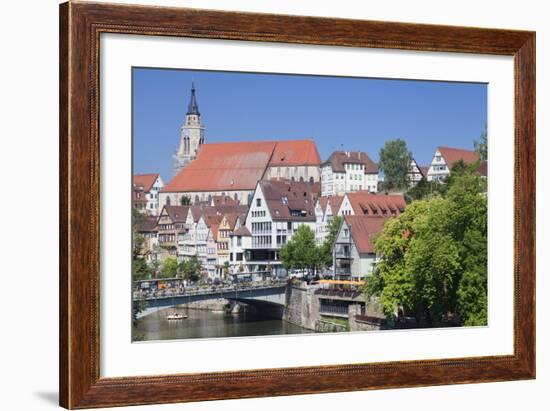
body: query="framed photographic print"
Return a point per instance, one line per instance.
(259, 205)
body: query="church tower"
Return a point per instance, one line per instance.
(192, 135)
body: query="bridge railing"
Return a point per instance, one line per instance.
(169, 292)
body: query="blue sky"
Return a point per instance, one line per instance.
(337, 112)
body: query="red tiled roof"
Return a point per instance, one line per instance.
(369, 204)
(453, 155)
(338, 158)
(424, 170)
(214, 228)
(295, 152)
(232, 219)
(240, 165)
(148, 225)
(323, 202)
(334, 201)
(299, 197)
(145, 181)
(363, 231)
(212, 219)
(203, 209)
(178, 214)
(242, 231)
(223, 200)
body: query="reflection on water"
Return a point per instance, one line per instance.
(208, 324)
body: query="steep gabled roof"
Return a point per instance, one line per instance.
(212, 219)
(338, 158)
(240, 165)
(242, 231)
(148, 225)
(290, 200)
(178, 214)
(232, 219)
(424, 170)
(369, 204)
(363, 231)
(454, 155)
(334, 201)
(144, 181)
(214, 228)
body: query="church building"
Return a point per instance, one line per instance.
(203, 171)
(192, 135)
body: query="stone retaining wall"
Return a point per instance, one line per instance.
(302, 306)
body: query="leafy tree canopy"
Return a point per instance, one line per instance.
(140, 269)
(169, 268)
(190, 269)
(434, 255)
(395, 160)
(481, 145)
(325, 250)
(301, 252)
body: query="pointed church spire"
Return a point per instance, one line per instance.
(193, 107)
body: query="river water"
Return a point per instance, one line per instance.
(208, 324)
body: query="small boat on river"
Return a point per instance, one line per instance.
(176, 316)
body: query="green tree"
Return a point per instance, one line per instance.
(185, 200)
(325, 251)
(434, 255)
(190, 269)
(421, 190)
(301, 252)
(481, 145)
(137, 239)
(226, 270)
(140, 269)
(169, 268)
(395, 160)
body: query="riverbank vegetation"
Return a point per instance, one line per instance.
(433, 257)
(301, 252)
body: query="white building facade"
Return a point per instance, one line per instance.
(415, 174)
(276, 211)
(147, 189)
(347, 171)
(445, 158)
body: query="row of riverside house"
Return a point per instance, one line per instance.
(247, 199)
(245, 239)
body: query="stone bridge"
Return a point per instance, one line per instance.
(259, 294)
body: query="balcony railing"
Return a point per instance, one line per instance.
(333, 309)
(342, 271)
(260, 246)
(341, 251)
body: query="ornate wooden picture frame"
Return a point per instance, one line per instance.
(80, 27)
